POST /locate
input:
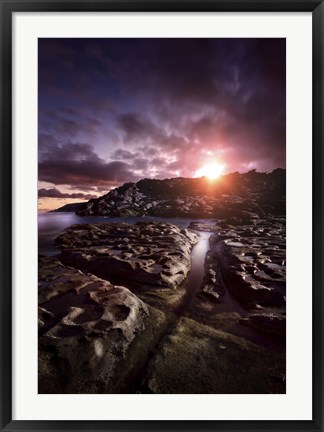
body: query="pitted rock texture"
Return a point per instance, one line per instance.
(234, 194)
(143, 255)
(251, 255)
(86, 326)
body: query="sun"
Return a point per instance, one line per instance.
(212, 171)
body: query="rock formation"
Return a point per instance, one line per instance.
(86, 325)
(231, 195)
(146, 254)
(251, 256)
(117, 314)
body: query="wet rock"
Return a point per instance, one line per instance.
(144, 255)
(211, 288)
(209, 291)
(200, 226)
(251, 257)
(272, 323)
(86, 326)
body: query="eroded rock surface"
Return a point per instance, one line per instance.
(251, 255)
(86, 326)
(170, 334)
(147, 254)
(211, 287)
(217, 346)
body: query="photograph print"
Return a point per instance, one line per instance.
(162, 216)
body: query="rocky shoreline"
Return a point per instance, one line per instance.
(115, 314)
(233, 195)
(125, 308)
(85, 327)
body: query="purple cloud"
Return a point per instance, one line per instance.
(55, 193)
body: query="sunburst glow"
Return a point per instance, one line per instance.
(212, 171)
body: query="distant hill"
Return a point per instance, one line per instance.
(69, 207)
(252, 193)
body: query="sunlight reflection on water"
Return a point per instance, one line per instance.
(198, 254)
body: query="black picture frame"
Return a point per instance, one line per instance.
(8, 7)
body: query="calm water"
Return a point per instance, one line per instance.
(51, 225)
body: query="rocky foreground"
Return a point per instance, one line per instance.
(85, 326)
(116, 315)
(247, 260)
(144, 255)
(121, 312)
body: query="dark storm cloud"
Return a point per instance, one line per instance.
(167, 105)
(138, 128)
(84, 172)
(89, 190)
(55, 193)
(77, 164)
(51, 149)
(123, 154)
(69, 123)
(141, 163)
(158, 162)
(148, 150)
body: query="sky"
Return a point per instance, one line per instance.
(117, 110)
